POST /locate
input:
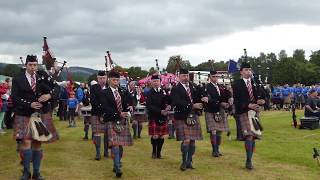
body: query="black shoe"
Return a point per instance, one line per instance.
(118, 174)
(220, 154)
(183, 167)
(249, 165)
(37, 177)
(25, 176)
(97, 158)
(85, 138)
(159, 156)
(215, 154)
(190, 166)
(154, 156)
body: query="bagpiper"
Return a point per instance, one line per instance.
(188, 128)
(32, 91)
(247, 99)
(97, 124)
(114, 103)
(216, 107)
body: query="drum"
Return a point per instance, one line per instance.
(140, 110)
(86, 111)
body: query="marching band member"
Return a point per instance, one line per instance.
(158, 107)
(217, 104)
(32, 91)
(137, 99)
(114, 103)
(97, 125)
(246, 97)
(188, 128)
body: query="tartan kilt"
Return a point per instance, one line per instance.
(213, 125)
(185, 132)
(122, 138)
(97, 125)
(140, 118)
(245, 126)
(158, 130)
(21, 128)
(48, 121)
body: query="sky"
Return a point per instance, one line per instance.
(138, 32)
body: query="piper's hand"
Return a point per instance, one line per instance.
(124, 115)
(231, 100)
(225, 105)
(197, 106)
(253, 106)
(205, 99)
(261, 102)
(130, 108)
(36, 105)
(44, 98)
(168, 108)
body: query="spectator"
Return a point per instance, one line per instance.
(72, 108)
(4, 97)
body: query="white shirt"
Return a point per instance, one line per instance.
(157, 89)
(29, 78)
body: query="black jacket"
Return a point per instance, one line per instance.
(23, 95)
(241, 95)
(95, 96)
(181, 101)
(109, 106)
(156, 102)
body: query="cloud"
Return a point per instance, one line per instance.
(135, 31)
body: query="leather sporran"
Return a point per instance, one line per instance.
(191, 120)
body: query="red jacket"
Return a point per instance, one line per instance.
(3, 90)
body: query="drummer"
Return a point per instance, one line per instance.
(139, 116)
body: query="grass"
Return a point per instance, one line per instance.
(284, 153)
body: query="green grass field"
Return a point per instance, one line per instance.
(284, 153)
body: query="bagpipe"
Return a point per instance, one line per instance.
(253, 115)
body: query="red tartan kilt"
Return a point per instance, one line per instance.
(158, 130)
(96, 125)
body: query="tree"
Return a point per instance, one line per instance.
(136, 73)
(282, 54)
(299, 55)
(176, 62)
(11, 70)
(315, 58)
(152, 70)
